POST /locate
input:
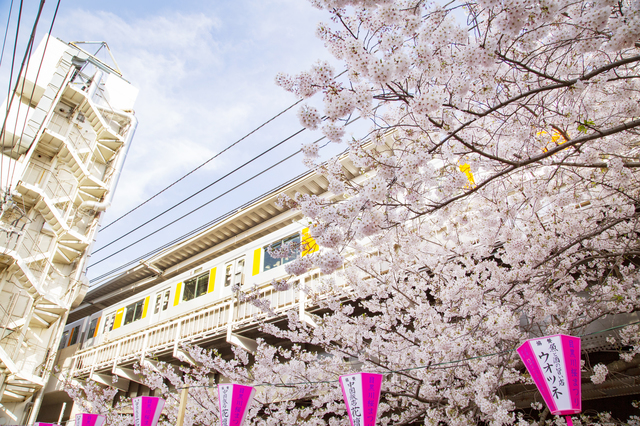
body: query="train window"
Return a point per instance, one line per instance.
(227, 274)
(234, 272)
(165, 303)
(74, 335)
(133, 312)
(195, 287)
(162, 300)
(273, 262)
(92, 328)
(108, 323)
(64, 340)
(158, 301)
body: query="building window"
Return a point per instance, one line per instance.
(133, 312)
(64, 340)
(195, 287)
(273, 262)
(74, 335)
(234, 272)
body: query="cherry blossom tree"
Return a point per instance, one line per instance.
(499, 201)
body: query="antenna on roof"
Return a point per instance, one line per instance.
(101, 44)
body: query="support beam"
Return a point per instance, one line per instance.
(308, 319)
(149, 363)
(105, 379)
(304, 316)
(183, 355)
(245, 343)
(127, 374)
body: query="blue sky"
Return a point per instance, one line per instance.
(205, 71)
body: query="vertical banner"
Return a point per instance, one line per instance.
(554, 365)
(146, 410)
(234, 403)
(361, 393)
(85, 419)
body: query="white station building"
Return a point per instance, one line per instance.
(65, 135)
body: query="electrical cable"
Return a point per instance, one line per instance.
(201, 165)
(9, 97)
(15, 124)
(199, 207)
(6, 31)
(25, 58)
(33, 89)
(198, 229)
(206, 225)
(203, 226)
(422, 367)
(199, 191)
(209, 160)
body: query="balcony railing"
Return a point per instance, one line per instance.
(212, 321)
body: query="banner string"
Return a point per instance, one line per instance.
(411, 368)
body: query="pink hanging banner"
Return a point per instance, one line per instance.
(234, 403)
(85, 419)
(554, 365)
(361, 392)
(146, 410)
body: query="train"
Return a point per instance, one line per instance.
(191, 290)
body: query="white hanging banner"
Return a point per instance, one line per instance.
(85, 419)
(234, 401)
(147, 410)
(361, 392)
(554, 365)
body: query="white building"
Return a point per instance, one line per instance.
(64, 140)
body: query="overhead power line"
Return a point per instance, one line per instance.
(404, 370)
(200, 166)
(208, 161)
(199, 207)
(9, 97)
(33, 89)
(194, 231)
(206, 225)
(200, 191)
(6, 31)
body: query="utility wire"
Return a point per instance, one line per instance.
(208, 202)
(422, 367)
(9, 97)
(25, 58)
(6, 31)
(33, 89)
(198, 192)
(200, 166)
(206, 225)
(209, 160)
(198, 229)
(199, 207)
